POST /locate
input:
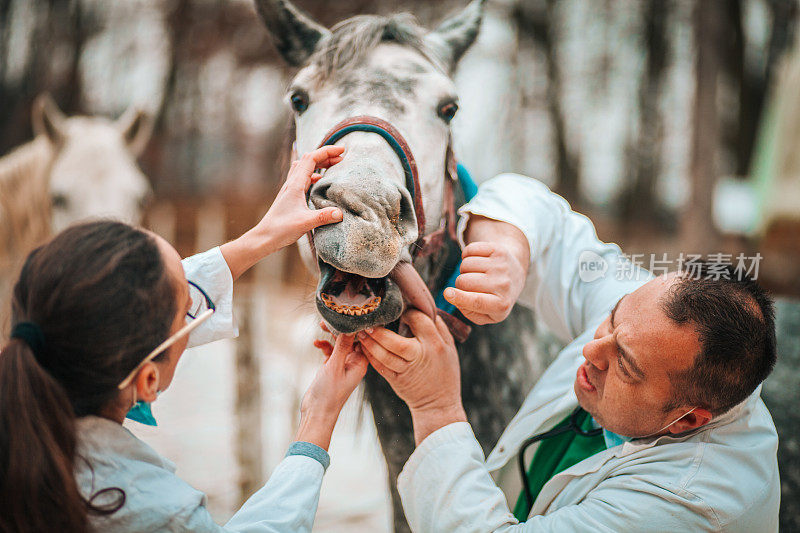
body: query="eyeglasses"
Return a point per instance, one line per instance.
(201, 309)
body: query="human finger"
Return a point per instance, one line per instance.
(321, 217)
(422, 327)
(324, 327)
(475, 263)
(476, 282)
(392, 361)
(322, 157)
(325, 346)
(387, 373)
(315, 177)
(473, 301)
(343, 346)
(481, 249)
(443, 330)
(357, 362)
(400, 346)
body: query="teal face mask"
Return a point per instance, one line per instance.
(140, 412)
(612, 439)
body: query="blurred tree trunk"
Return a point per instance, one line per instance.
(178, 21)
(698, 233)
(753, 83)
(72, 86)
(542, 25)
(638, 201)
(57, 25)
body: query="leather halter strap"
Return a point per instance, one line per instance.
(396, 141)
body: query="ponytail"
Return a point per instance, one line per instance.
(87, 308)
(38, 491)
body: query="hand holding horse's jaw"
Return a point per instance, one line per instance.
(423, 370)
(494, 268)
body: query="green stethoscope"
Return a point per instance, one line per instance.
(572, 425)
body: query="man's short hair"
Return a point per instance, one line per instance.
(735, 320)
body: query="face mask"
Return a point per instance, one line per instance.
(140, 412)
(612, 439)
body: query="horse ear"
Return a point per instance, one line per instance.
(294, 33)
(456, 34)
(136, 126)
(48, 119)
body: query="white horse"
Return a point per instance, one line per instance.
(391, 80)
(74, 169)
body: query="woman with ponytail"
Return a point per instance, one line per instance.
(100, 316)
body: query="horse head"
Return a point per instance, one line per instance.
(382, 88)
(93, 172)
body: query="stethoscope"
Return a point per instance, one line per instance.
(572, 425)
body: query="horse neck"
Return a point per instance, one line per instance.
(24, 198)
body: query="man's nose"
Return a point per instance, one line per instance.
(599, 351)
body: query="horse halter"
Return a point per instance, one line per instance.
(426, 244)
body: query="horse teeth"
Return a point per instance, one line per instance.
(351, 310)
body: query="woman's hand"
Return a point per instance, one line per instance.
(333, 384)
(423, 370)
(289, 217)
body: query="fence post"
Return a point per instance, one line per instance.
(247, 409)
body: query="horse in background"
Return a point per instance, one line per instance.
(74, 169)
(391, 73)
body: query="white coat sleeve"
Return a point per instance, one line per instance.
(574, 278)
(210, 271)
(287, 503)
(445, 487)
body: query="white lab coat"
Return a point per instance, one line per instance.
(721, 477)
(155, 498)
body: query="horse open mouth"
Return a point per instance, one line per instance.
(350, 302)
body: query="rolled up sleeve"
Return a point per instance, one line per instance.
(210, 271)
(563, 243)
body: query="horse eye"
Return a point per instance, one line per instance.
(299, 101)
(59, 201)
(447, 111)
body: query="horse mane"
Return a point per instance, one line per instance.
(351, 40)
(24, 211)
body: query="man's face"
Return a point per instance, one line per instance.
(624, 382)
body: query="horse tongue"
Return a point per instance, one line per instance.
(414, 290)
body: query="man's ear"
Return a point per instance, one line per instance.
(146, 382)
(697, 418)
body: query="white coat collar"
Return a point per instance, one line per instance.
(100, 437)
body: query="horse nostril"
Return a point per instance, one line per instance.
(320, 190)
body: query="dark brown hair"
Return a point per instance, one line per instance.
(102, 296)
(735, 320)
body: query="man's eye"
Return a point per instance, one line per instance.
(621, 366)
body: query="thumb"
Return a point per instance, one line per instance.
(342, 348)
(320, 217)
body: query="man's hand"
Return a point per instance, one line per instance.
(423, 370)
(289, 217)
(493, 271)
